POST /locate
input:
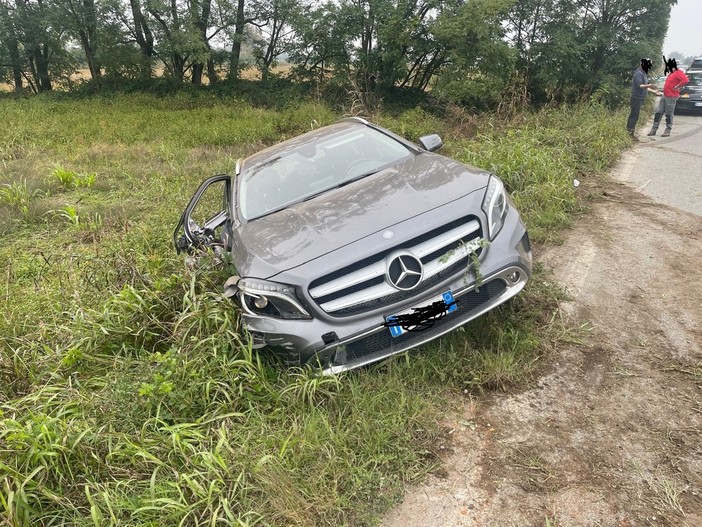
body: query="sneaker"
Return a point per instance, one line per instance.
(652, 132)
(666, 134)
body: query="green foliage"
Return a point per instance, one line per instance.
(69, 179)
(129, 394)
(571, 49)
(16, 195)
(469, 52)
(413, 123)
(309, 387)
(481, 61)
(69, 213)
(539, 159)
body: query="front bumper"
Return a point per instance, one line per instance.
(342, 343)
(378, 344)
(689, 105)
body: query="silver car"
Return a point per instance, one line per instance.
(352, 244)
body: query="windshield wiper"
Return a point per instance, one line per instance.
(361, 176)
(269, 212)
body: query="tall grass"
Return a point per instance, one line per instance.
(540, 156)
(128, 395)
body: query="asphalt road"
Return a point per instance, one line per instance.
(668, 169)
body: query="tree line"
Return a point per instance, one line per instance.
(469, 50)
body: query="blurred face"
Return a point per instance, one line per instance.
(671, 65)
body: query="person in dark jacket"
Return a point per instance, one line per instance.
(639, 89)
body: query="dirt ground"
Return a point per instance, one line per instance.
(611, 434)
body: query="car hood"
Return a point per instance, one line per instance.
(293, 236)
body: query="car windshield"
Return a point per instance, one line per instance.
(695, 79)
(312, 168)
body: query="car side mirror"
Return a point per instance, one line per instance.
(205, 221)
(431, 143)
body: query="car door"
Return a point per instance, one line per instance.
(206, 221)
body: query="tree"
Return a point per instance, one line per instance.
(10, 58)
(80, 17)
(237, 38)
(479, 61)
(322, 46)
(142, 33)
(42, 39)
(567, 49)
(200, 11)
(618, 30)
(275, 33)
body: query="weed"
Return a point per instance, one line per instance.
(666, 490)
(69, 214)
(69, 179)
(18, 196)
(91, 227)
(537, 469)
(475, 267)
(694, 370)
(310, 387)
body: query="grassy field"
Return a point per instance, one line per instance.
(127, 395)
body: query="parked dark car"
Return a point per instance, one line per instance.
(695, 65)
(690, 100)
(352, 244)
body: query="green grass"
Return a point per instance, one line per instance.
(541, 155)
(128, 396)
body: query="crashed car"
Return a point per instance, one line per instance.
(352, 244)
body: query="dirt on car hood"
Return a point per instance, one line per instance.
(302, 232)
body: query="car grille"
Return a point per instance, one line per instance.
(361, 286)
(383, 341)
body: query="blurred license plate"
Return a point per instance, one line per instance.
(698, 104)
(447, 297)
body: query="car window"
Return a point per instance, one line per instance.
(315, 167)
(696, 65)
(695, 79)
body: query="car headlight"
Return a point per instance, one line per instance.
(264, 298)
(495, 205)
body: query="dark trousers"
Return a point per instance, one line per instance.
(636, 104)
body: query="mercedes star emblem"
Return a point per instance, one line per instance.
(404, 271)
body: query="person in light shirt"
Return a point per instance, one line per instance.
(671, 91)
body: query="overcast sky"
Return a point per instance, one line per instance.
(684, 29)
